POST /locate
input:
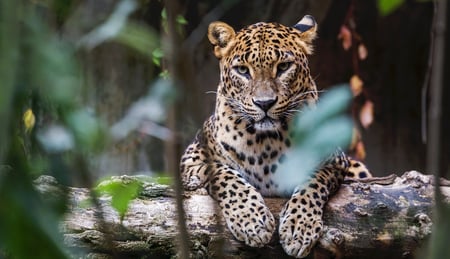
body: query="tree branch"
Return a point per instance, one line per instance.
(380, 218)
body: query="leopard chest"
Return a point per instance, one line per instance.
(255, 155)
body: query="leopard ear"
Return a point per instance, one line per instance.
(221, 35)
(308, 28)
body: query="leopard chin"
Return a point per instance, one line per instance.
(267, 124)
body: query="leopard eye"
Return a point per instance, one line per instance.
(283, 67)
(243, 70)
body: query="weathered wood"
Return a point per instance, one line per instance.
(380, 218)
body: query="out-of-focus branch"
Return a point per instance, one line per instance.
(438, 247)
(434, 121)
(175, 62)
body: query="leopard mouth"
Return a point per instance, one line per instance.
(266, 123)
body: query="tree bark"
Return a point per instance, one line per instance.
(387, 217)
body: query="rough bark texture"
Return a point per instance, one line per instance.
(382, 218)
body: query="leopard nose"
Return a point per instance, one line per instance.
(265, 104)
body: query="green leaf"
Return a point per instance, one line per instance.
(52, 69)
(181, 20)
(164, 74)
(164, 14)
(331, 104)
(138, 37)
(386, 7)
(157, 55)
(26, 220)
(336, 132)
(122, 193)
(318, 132)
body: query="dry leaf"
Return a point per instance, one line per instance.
(362, 52)
(360, 151)
(366, 114)
(356, 85)
(346, 36)
(357, 146)
(28, 120)
(356, 137)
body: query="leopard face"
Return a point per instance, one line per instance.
(265, 77)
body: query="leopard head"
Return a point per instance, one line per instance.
(265, 78)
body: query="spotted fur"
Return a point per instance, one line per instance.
(264, 81)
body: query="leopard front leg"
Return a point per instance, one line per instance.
(301, 218)
(194, 166)
(243, 208)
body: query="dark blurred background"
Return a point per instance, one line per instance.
(119, 70)
(393, 74)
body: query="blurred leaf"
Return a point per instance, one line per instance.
(360, 151)
(122, 193)
(164, 14)
(111, 28)
(35, 63)
(51, 69)
(362, 51)
(331, 134)
(366, 114)
(138, 37)
(437, 244)
(157, 55)
(386, 7)
(181, 20)
(345, 35)
(28, 120)
(164, 74)
(356, 85)
(25, 220)
(164, 19)
(356, 137)
(10, 35)
(316, 134)
(331, 104)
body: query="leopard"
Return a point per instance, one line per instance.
(265, 80)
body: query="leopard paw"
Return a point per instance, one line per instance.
(300, 228)
(250, 222)
(357, 170)
(191, 183)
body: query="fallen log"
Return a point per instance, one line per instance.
(386, 217)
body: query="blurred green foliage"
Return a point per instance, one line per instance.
(388, 6)
(38, 72)
(121, 193)
(123, 189)
(317, 133)
(44, 126)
